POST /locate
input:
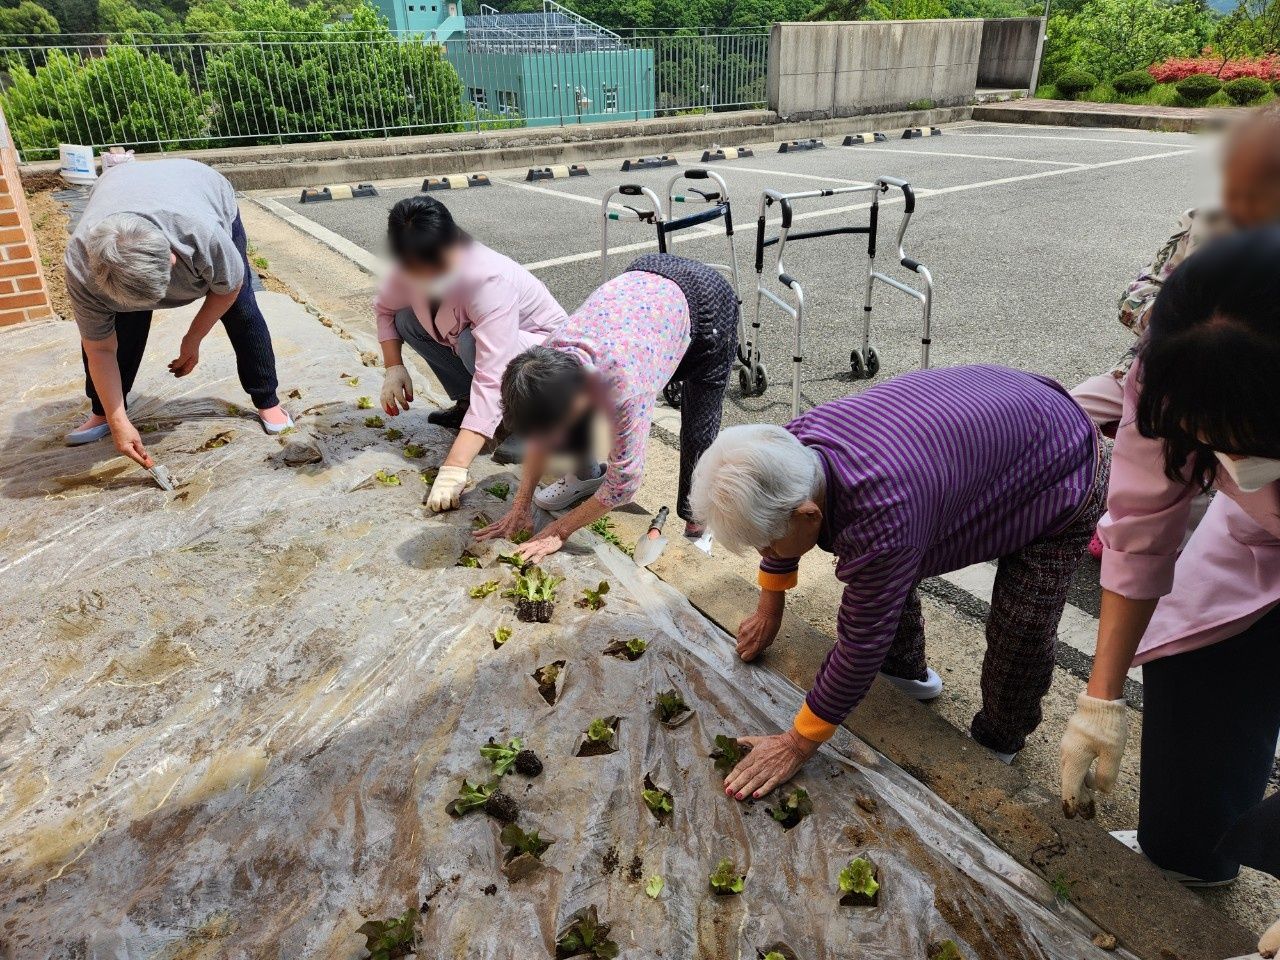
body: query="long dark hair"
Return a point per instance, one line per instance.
(1210, 373)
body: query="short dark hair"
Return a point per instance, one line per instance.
(420, 229)
(538, 388)
(1211, 357)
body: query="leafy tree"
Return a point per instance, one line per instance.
(75, 16)
(123, 97)
(27, 18)
(906, 10)
(1252, 29)
(1115, 36)
(324, 81)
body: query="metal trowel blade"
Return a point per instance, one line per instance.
(162, 477)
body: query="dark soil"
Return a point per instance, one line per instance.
(502, 807)
(549, 691)
(600, 748)
(528, 764)
(534, 611)
(611, 860)
(635, 870)
(620, 650)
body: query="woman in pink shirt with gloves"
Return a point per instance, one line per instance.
(467, 311)
(1201, 410)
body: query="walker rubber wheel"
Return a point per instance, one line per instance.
(855, 365)
(873, 362)
(673, 393)
(753, 383)
(742, 355)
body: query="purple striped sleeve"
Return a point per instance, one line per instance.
(876, 587)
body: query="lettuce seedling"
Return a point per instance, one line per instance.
(374, 422)
(364, 403)
(653, 887)
(353, 381)
(393, 434)
(484, 589)
(480, 521)
(598, 737)
(946, 950)
(546, 678)
(499, 490)
(795, 806)
(390, 938)
(429, 475)
(725, 880)
(535, 595)
(414, 451)
(632, 649)
(774, 955)
(524, 852)
(585, 936)
(858, 884)
(604, 529)
(514, 561)
(727, 754)
(521, 536)
(660, 802)
(389, 479)
(469, 560)
(500, 636)
(777, 951)
(471, 796)
(671, 708)
(593, 599)
(501, 755)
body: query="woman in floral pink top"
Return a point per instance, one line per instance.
(664, 319)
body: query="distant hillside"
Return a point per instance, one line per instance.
(1222, 6)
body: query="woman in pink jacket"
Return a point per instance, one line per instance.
(467, 311)
(1201, 410)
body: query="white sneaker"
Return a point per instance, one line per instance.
(1005, 758)
(566, 492)
(930, 688)
(1130, 839)
(82, 435)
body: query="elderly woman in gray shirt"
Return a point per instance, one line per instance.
(159, 234)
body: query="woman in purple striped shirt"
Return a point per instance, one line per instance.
(927, 473)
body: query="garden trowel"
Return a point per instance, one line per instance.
(162, 477)
(649, 547)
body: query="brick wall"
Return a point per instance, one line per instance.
(23, 294)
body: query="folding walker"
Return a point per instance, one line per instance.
(864, 362)
(666, 224)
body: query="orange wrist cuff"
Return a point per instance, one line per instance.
(812, 727)
(778, 581)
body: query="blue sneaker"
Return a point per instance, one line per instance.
(82, 435)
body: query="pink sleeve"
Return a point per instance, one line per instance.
(392, 298)
(625, 469)
(495, 323)
(1147, 512)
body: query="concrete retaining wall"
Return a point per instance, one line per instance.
(819, 70)
(1009, 54)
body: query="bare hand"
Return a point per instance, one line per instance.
(129, 442)
(187, 358)
(519, 517)
(542, 544)
(772, 762)
(757, 633)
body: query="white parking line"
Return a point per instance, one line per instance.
(863, 148)
(1065, 139)
(357, 254)
(799, 176)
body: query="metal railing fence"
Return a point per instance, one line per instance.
(178, 91)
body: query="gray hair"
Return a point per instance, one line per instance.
(749, 483)
(538, 388)
(129, 260)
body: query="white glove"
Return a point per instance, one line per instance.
(1269, 945)
(1096, 731)
(397, 387)
(446, 492)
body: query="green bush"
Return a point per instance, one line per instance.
(1073, 81)
(123, 97)
(1244, 90)
(1133, 82)
(1198, 88)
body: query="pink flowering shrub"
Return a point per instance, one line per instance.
(1179, 68)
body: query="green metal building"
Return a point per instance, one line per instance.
(541, 69)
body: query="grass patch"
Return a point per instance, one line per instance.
(1161, 95)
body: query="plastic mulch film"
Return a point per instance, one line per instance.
(232, 716)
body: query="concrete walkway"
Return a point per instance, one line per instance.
(1132, 116)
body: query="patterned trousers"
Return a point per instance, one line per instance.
(1027, 601)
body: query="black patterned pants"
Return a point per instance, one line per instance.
(1027, 601)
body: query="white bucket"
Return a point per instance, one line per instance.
(76, 163)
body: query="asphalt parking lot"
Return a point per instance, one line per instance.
(1031, 234)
